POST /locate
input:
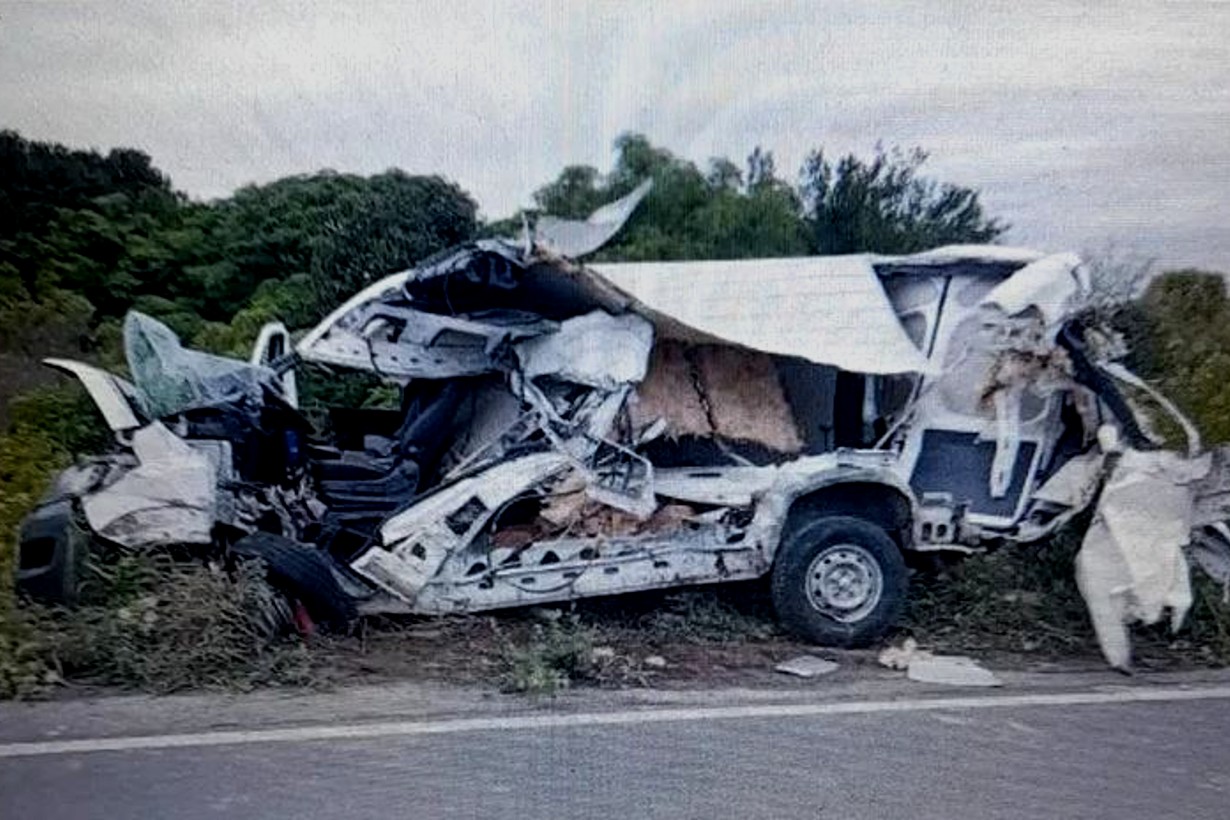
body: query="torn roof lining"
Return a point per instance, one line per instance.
(859, 331)
(830, 310)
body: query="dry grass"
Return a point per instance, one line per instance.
(160, 626)
(1024, 600)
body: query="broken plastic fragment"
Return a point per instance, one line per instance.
(951, 670)
(806, 666)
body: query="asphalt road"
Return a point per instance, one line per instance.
(974, 759)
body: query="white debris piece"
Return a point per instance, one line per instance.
(899, 657)
(806, 666)
(924, 667)
(1050, 285)
(597, 349)
(654, 662)
(951, 670)
(1131, 565)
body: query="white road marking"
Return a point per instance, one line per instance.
(367, 731)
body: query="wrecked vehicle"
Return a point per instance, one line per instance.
(568, 431)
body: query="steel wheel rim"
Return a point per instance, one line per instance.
(844, 582)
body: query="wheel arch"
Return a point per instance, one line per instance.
(880, 502)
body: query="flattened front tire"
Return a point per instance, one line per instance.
(839, 581)
(301, 571)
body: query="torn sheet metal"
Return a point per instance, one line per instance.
(1210, 550)
(1050, 285)
(417, 541)
(829, 310)
(172, 379)
(387, 336)
(596, 349)
(960, 254)
(112, 395)
(1131, 565)
(1128, 377)
(575, 238)
(168, 498)
(1210, 547)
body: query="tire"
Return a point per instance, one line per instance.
(839, 581)
(302, 572)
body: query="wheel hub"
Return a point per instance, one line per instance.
(844, 582)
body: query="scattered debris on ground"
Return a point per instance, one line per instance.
(927, 667)
(951, 670)
(900, 657)
(807, 666)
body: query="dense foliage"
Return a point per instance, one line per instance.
(724, 212)
(1179, 335)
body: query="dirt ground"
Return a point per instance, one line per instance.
(695, 638)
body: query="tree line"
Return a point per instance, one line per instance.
(85, 236)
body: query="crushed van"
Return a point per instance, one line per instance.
(570, 430)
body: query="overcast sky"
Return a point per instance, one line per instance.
(1083, 124)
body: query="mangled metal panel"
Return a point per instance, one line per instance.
(830, 310)
(418, 540)
(1131, 565)
(172, 379)
(1050, 285)
(380, 330)
(112, 395)
(595, 349)
(950, 255)
(574, 238)
(170, 497)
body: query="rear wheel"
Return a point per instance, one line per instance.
(839, 581)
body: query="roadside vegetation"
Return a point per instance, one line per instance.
(86, 236)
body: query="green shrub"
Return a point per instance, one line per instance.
(1180, 338)
(153, 624)
(556, 655)
(65, 417)
(28, 462)
(1017, 598)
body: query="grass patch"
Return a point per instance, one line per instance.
(709, 615)
(713, 616)
(566, 652)
(1015, 599)
(555, 655)
(159, 626)
(1024, 599)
